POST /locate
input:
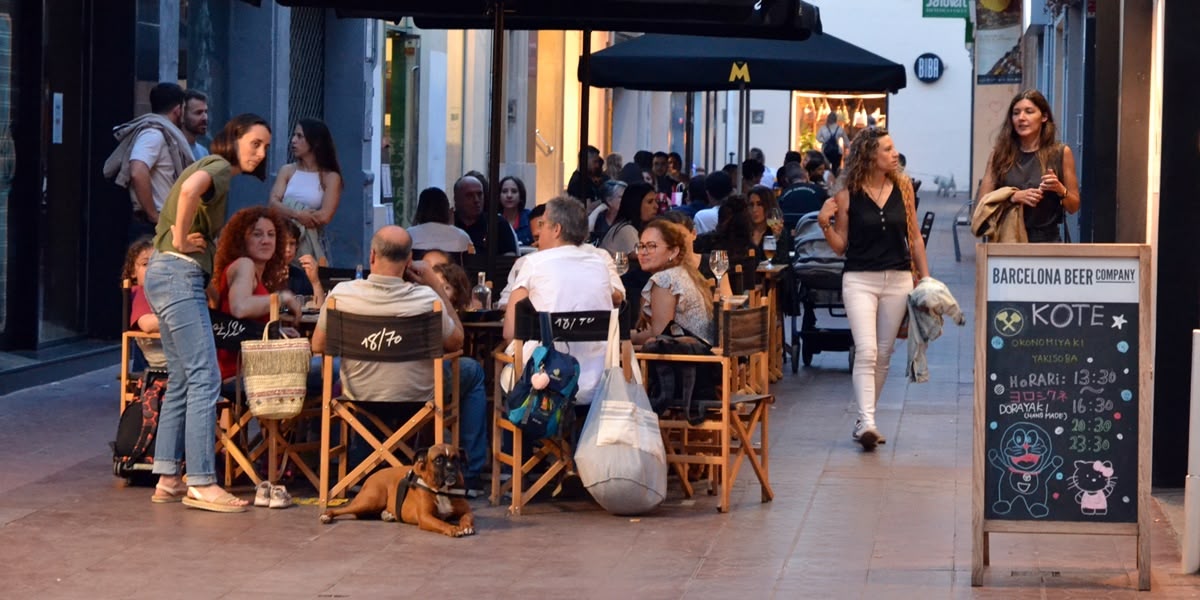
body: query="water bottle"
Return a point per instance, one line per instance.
(483, 293)
(358, 271)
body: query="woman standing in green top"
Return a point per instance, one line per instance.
(175, 286)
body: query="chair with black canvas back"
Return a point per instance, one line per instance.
(724, 436)
(233, 436)
(374, 339)
(554, 453)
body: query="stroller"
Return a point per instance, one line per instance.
(818, 272)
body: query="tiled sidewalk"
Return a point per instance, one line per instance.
(892, 524)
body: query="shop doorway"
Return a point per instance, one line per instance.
(63, 196)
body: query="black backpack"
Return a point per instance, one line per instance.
(133, 450)
(680, 385)
(831, 149)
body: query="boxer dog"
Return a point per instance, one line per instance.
(425, 495)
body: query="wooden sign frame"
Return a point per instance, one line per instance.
(981, 526)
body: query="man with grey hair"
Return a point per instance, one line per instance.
(386, 292)
(565, 275)
(469, 217)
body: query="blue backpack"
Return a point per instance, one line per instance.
(547, 411)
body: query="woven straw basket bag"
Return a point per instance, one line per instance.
(275, 373)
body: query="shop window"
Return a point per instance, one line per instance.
(856, 112)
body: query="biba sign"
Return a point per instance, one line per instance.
(954, 9)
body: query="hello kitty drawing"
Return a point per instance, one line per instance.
(1095, 481)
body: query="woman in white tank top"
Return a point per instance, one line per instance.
(308, 191)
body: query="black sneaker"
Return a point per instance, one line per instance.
(474, 487)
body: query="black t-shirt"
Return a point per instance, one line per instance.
(878, 236)
(582, 187)
(506, 242)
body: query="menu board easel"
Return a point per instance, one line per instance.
(1063, 394)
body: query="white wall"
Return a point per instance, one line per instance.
(931, 123)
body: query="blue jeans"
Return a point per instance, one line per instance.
(187, 422)
(472, 414)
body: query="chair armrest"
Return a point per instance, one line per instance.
(142, 335)
(502, 357)
(697, 358)
(457, 354)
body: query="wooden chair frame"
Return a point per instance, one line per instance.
(129, 336)
(352, 414)
(559, 449)
(725, 438)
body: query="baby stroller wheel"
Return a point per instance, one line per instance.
(807, 353)
(795, 356)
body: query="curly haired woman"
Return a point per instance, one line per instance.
(249, 267)
(871, 222)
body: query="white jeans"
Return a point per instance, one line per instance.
(875, 305)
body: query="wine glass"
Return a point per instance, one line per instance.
(718, 261)
(621, 260)
(775, 220)
(769, 248)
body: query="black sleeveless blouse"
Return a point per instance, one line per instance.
(1041, 221)
(878, 237)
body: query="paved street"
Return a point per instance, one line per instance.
(844, 524)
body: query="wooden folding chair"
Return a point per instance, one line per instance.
(388, 340)
(725, 436)
(557, 452)
(129, 337)
(233, 419)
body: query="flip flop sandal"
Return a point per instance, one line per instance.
(164, 494)
(221, 504)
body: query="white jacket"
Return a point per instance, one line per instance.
(927, 304)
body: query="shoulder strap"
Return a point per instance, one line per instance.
(547, 331)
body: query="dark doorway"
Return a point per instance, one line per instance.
(63, 201)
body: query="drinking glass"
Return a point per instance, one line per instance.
(718, 261)
(775, 220)
(769, 247)
(621, 260)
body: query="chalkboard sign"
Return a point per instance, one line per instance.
(1062, 408)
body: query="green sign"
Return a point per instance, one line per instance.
(952, 9)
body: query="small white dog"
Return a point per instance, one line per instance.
(945, 186)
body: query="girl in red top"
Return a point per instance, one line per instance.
(249, 267)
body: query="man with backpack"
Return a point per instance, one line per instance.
(833, 141)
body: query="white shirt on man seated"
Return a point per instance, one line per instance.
(706, 220)
(439, 236)
(573, 278)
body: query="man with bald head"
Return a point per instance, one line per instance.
(468, 216)
(398, 287)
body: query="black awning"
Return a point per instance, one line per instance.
(782, 19)
(679, 63)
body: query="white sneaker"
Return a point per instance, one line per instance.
(856, 435)
(867, 436)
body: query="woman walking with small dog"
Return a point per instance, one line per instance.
(872, 222)
(1035, 169)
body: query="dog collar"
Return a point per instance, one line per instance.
(415, 481)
